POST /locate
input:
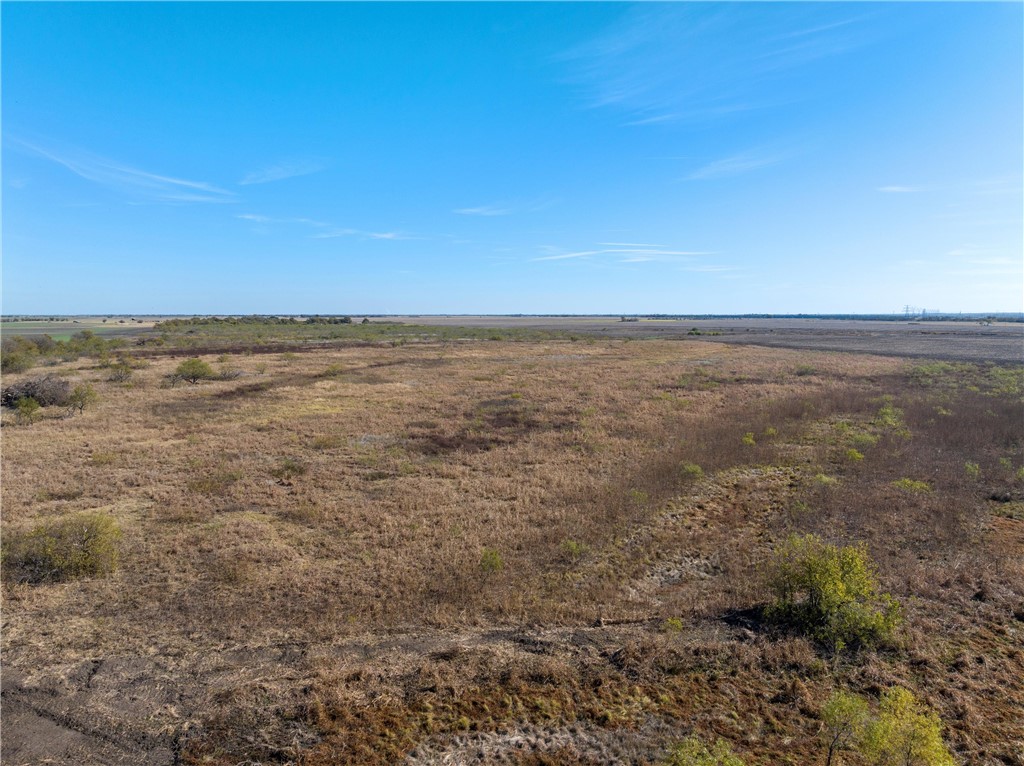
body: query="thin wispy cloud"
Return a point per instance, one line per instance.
(733, 166)
(282, 170)
(627, 244)
(130, 181)
(485, 210)
(634, 254)
(323, 229)
(509, 208)
(900, 189)
(667, 62)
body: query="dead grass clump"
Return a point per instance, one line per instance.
(81, 545)
(214, 484)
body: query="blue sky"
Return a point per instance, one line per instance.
(504, 158)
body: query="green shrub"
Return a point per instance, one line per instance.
(16, 361)
(81, 396)
(973, 470)
(692, 752)
(194, 370)
(748, 439)
(491, 561)
(78, 546)
(28, 410)
(905, 733)
(120, 372)
(911, 485)
(830, 594)
(854, 455)
(573, 549)
(692, 471)
(890, 417)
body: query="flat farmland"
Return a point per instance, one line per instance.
(63, 329)
(1001, 342)
(530, 552)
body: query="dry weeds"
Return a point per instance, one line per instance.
(301, 570)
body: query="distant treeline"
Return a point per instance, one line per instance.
(254, 319)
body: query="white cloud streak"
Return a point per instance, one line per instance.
(282, 170)
(326, 230)
(733, 166)
(636, 254)
(485, 210)
(690, 62)
(131, 181)
(900, 189)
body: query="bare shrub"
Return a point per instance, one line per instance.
(49, 390)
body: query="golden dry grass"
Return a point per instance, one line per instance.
(302, 548)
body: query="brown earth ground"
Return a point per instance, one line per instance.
(501, 552)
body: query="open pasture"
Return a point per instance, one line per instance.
(530, 552)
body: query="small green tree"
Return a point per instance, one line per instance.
(194, 370)
(28, 410)
(906, 733)
(81, 396)
(692, 752)
(830, 593)
(845, 716)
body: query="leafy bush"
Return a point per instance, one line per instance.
(16, 361)
(845, 717)
(81, 397)
(28, 409)
(692, 752)
(830, 594)
(76, 546)
(194, 370)
(905, 733)
(48, 390)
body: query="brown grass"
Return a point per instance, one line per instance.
(317, 526)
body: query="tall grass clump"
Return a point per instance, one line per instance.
(83, 545)
(830, 594)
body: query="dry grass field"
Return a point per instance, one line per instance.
(532, 552)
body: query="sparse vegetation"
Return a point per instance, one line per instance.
(459, 546)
